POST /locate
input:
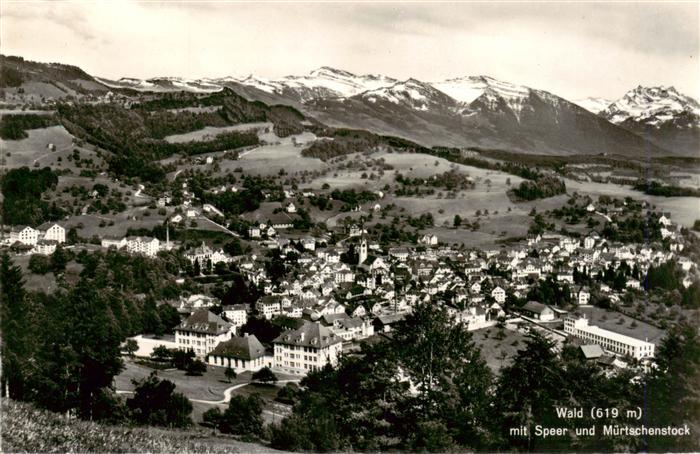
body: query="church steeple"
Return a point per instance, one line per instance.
(363, 246)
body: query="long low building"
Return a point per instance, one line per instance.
(608, 340)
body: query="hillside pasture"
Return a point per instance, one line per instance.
(33, 150)
(271, 159)
(210, 132)
(683, 210)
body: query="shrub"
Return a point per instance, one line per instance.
(265, 375)
(196, 367)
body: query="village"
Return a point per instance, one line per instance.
(355, 290)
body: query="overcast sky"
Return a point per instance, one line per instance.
(572, 49)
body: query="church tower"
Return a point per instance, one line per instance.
(363, 249)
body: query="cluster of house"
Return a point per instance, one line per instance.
(386, 284)
(40, 240)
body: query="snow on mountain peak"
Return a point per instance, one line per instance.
(323, 82)
(468, 89)
(411, 93)
(327, 71)
(593, 104)
(653, 106)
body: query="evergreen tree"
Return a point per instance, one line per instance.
(17, 331)
(527, 391)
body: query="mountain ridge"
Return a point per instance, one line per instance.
(467, 111)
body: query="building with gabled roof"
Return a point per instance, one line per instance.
(538, 311)
(306, 349)
(241, 354)
(202, 331)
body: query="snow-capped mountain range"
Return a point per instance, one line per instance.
(475, 111)
(650, 105)
(653, 106)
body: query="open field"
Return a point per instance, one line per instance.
(210, 132)
(683, 210)
(498, 352)
(34, 150)
(270, 159)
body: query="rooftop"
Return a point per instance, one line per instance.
(203, 321)
(247, 347)
(309, 335)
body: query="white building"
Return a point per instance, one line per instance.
(609, 340)
(147, 343)
(428, 240)
(269, 306)
(202, 332)
(142, 245)
(45, 247)
(53, 232)
(499, 295)
(212, 209)
(203, 253)
(30, 236)
(236, 314)
(108, 242)
(242, 354)
(308, 348)
(25, 235)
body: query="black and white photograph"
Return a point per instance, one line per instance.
(349, 226)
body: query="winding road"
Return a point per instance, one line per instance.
(227, 392)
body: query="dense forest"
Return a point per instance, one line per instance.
(541, 187)
(660, 189)
(61, 351)
(15, 126)
(22, 190)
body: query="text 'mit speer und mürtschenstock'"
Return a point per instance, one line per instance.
(598, 413)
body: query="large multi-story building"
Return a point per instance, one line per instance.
(202, 332)
(609, 340)
(237, 314)
(31, 236)
(25, 235)
(306, 349)
(142, 245)
(53, 232)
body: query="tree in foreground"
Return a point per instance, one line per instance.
(265, 375)
(424, 390)
(671, 390)
(156, 403)
(243, 416)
